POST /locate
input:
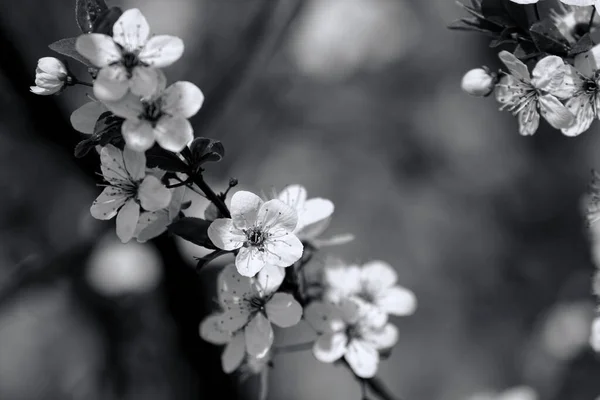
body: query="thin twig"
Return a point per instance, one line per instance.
(294, 347)
(592, 19)
(379, 388)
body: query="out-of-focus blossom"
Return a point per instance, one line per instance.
(586, 91)
(262, 231)
(523, 94)
(571, 19)
(250, 306)
(580, 3)
(50, 76)
(595, 335)
(515, 393)
(129, 60)
(129, 190)
(566, 329)
(85, 117)
(161, 117)
(346, 330)
(374, 283)
(478, 82)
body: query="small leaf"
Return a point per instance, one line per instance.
(193, 230)
(585, 43)
(106, 131)
(206, 150)
(548, 38)
(66, 47)
(105, 21)
(84, 147)
(87, 11)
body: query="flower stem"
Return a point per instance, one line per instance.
(377, 387)
(82, 83)
(294, 347)
(537, 11)
(592, 18)
(211, 195)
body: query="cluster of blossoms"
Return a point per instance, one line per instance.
(150, 162)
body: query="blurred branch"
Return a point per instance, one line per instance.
(378, 387)
(261, 40)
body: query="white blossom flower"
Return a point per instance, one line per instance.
(478, 82)
(85, 117)
(50, 76)
(128, 191)
(346, 330)
(161, 117)
(155, 223)
(250, 306)
(572, 21)
(585, 98)
(580, 3)
(262, 231)
(595, 335)
(523, 94)
(130, 58)
(514, 393)
(374, 283)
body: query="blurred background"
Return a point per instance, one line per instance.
(359, 101)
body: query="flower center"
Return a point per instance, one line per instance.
(353, 332)
(366, 296)
(257, 304)
(590, 86)
(130, 60)
(152, 111)
(256, 237)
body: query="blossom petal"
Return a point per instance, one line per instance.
(330, 346)
(113, 165)
(138, 134)
(250, 260)
(555, 112)
(129, 106)
(571, 83)
(127, 220)
(43, 91)
(341, 280)
(244, 208)
(324, 317)
(588, 63)
(397, 301)
(51, 65)
(153, 195)
(234, 353)
(529, 119)
(509, 90)
(173, 133)
(514, 65)
(111, 84)
(182, 99)
(282, 248)
(135, 164)
(363, 358)
(108, 203)
(582, 107)
(99, 49)
(131, 30)
(85, 117)
(276, 214)
(294, 196)
(146, 82)
(383, 338)
(519, 393)
(176, 202)
(315, 217)
(211, 332)
(549, 73)
(151, 225)
(162, 51)
(352, 309)
(283, 310)
(233, 287)
(224, 235)
(269, 279)
(259, 336)
(235, 317)
(377, 276)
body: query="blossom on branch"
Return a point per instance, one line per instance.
(374, 283)
(129, 191)
(250, 306)
(347, 330)
(524, 94)
(129, 60)
(50, 76)
(162, 117)
(261, 231)
(581, 3)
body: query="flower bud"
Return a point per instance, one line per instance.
(50, 76)
(478, 82)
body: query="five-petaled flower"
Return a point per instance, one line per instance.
(581, 3)
(130, 58)
(347, 330)
(523, 94)
(161, 117)
(250, 306)
(262, 231)
(128, 191)
(374, 283)
(50, 76)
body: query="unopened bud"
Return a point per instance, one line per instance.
(478, 82)
(51, 76)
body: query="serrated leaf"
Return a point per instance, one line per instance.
(105, 21)
(86, 13)
(548, 38)
(66, 47)
(585, 43)
(193, 230)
